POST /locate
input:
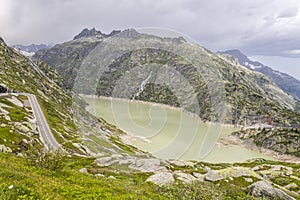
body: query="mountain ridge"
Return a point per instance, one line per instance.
(285, 81)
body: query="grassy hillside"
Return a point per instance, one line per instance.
(76, 133)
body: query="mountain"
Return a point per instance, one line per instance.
(244, 92)
(98, 164)
(31, 48)
(284, 81)
(74, 128)
(67, 57)
(85, 33)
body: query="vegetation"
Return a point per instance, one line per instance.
(22, 180)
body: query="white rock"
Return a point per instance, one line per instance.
(83, 170)
(161, 178)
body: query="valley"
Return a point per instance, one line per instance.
(140, 116)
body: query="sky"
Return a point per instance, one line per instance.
(262, 29)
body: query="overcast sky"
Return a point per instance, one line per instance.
(260, 28)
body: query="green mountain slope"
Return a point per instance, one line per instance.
(77, 133)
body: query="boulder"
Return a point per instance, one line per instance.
(104, 162)
(199, 177)
(185, 178)
(291, 186)
(5, 149)
(265, 190)
(99, 175)
(161, 178)
(147, 165)
(83, 170)
(216, 175)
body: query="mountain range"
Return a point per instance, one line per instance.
(96, 163)
(284, 81)
(30, 50)
(245, 92)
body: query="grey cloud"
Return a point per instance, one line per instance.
(259, 27)
(289, 12)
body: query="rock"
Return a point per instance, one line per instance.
(161, 178)
(147, 165)
(216, 175)
(249, 180)
(280, 168)
(264, 189)
(15, 101)
(111, 177)
(199, 177)
(185, 178)
(24, 141)
(206, 169)
(116, 156)
(99, 175)
(291, 185)
(7, 118)
(5, 149)
(83, 170)
(11, 187)
(177, 163)
(23, 129)
(103, 162)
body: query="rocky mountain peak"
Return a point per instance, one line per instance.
(88, 33)
(242, 58)
(94, 33)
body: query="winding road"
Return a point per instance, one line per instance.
(46, 136)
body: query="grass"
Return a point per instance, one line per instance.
(30, 182)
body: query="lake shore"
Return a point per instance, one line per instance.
(249, 144)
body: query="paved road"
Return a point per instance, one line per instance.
(43, 127)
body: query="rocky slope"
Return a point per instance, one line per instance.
(281, 140)
(284, 81)
(244, 92)
(73, 127)
(66, 58)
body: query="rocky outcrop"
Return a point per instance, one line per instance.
(264, 189)
(216, 175)
(161, 178)
(136, 163)
(94, 33)
(5, 149)
(281, 140)
(88, 33)
(184, 177)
